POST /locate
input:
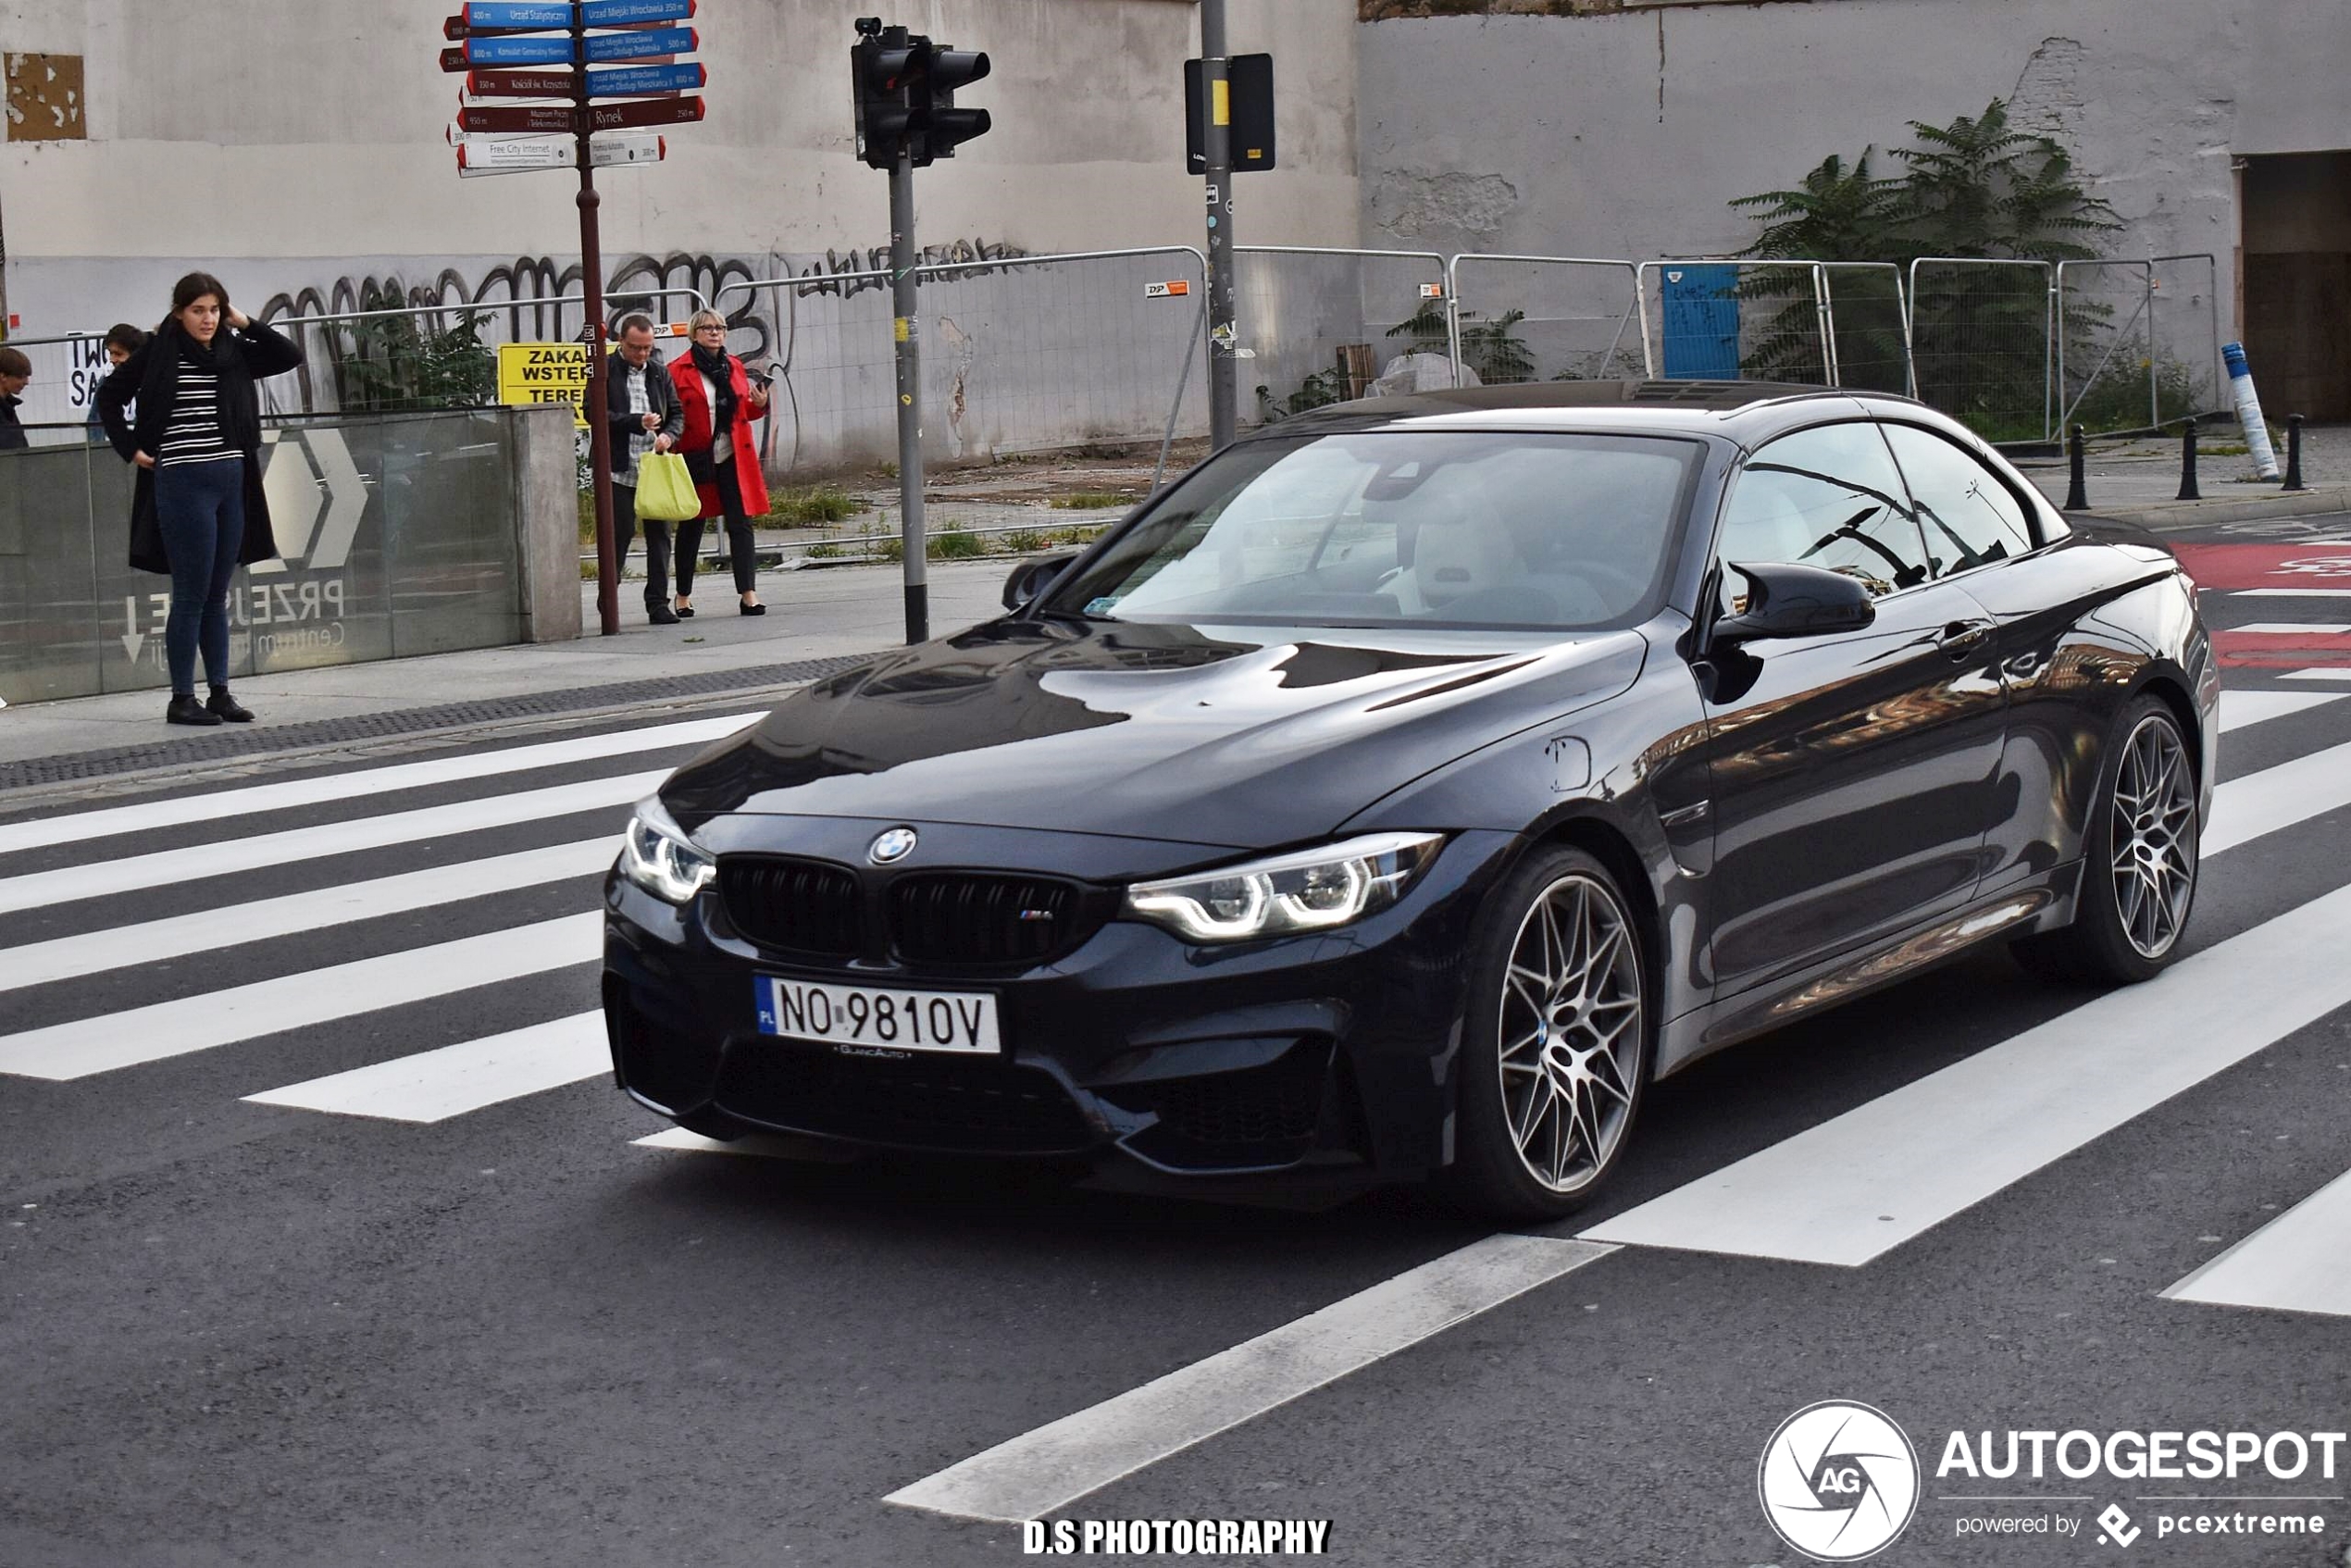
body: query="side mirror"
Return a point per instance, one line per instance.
(1034, 576)
(1790, 601)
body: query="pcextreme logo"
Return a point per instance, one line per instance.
(1838, 1481)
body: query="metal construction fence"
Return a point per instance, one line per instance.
(1036, 352)
(1019, 353)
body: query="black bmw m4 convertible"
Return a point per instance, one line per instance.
(1408, 786)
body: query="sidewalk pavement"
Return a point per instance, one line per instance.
(2138, 479)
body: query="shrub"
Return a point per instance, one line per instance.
(1091, 500)
(822, 505)
(956, 544)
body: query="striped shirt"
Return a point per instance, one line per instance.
(193, 434)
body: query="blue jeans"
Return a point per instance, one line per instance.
(201, 509)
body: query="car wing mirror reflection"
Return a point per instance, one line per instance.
(1029, 580)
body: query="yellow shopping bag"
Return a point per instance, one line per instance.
(665, 490)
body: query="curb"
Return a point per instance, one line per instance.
(2228, 509)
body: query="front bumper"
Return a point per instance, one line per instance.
(1312, 1050)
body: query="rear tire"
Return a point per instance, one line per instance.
(2139, 859)
(1557, 1046)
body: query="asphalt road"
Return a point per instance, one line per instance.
(502, 1331)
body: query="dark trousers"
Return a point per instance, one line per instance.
(740, 546)
(657, 545)
(200, 509)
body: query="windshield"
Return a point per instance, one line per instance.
(1436, 529)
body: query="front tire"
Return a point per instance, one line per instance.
(1557, 1048)
(2140, 860)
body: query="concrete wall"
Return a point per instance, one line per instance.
(1626, 132)
(297, 148)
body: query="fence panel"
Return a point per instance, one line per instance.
(1548, 317)
(1738, 320)
(2107, 376)
(1042, 351)
(1982, 345)
(2186, 331)
(1019, 353)
(1323, 324)
(1869, 324)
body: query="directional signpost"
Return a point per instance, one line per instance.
(579, 68)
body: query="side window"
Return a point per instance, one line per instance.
(1829, 497)
(1969, 516)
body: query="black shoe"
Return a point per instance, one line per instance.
(660, 614)
(227, 707)
(185, 709)
(753, 609)
(685, 612)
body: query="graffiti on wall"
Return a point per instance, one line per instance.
(537, 299)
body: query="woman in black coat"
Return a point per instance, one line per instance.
(198, 513)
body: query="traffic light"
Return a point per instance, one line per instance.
(944, 126)
(905, 94)
(883, 66)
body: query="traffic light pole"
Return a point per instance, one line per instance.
(1224, 401)
(908, 331)
(591, 262)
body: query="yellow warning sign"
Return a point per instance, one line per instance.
(545, 373)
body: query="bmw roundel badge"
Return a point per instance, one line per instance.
(892, 846)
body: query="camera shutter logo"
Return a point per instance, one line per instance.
(1838, 1481)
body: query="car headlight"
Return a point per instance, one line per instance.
(1307, 890)
(657, 856)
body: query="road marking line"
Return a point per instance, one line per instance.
(2343, 674)
(41, 832)
(2298, 1263)
(2290, 628)
(2259, 803)
(2291, 593)
(205, 931)
(1850, 1189)
(433, 1086)
(2239, 709)
(163, 1029)
(1043, 1472)
(97, 879)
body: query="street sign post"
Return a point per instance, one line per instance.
(475, 158)
(566, 119)
(541, 50)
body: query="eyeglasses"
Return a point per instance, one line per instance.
(711, 329)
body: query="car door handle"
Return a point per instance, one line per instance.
(1960, 640)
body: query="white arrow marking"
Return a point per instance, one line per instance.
(346, 499)
(133, 638)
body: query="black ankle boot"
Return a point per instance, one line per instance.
(222, 705)
(185, 709)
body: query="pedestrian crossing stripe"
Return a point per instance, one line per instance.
(247, 801)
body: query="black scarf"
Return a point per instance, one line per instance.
(212, 357)
(719, 367)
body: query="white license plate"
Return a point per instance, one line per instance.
(962, 1022)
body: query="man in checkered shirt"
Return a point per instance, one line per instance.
(642, 403)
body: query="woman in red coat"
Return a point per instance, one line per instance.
(720, 402)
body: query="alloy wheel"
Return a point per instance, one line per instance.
(2154, 857)
(1570, 1032)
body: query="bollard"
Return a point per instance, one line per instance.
(2187, 462)
(2294, 453)
(2077, 496)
